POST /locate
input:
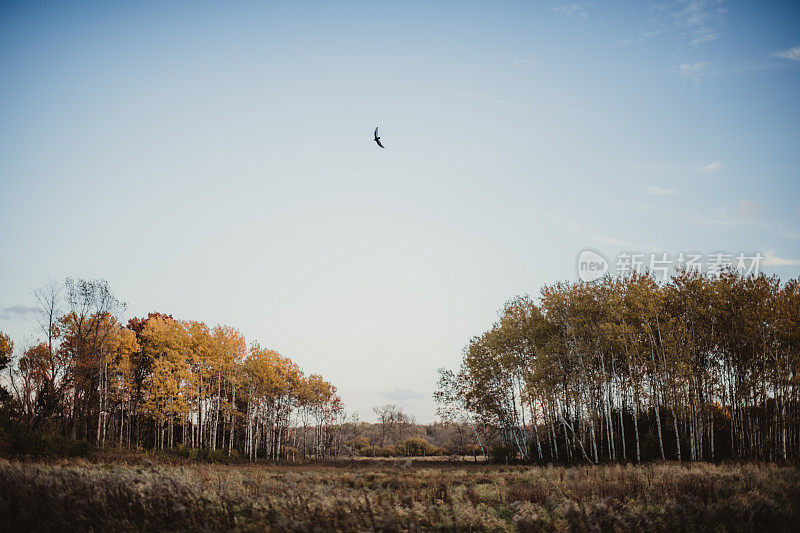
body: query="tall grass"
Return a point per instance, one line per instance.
(78, 495)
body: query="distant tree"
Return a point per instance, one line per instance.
(6, 352)
(393, 422)
(30, 382)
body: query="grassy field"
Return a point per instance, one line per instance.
(399, 495)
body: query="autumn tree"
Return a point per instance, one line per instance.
(6, 351)
(623, 369)
(158, 381)
(86, 329)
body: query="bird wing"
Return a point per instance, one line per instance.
(376, 132)
(379, 143)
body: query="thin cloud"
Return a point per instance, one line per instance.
(792, 54)
(17, 312)
(701, 21)
(749, 209)
(694, 23)
(703, 35)
(659, 191)
(574, 9)
(694, 70)
(573, 227)
(605, 239)
(398, 395)
(721, 218)
(770, 259)
(526, 62)
(711, 168)
(610, 240)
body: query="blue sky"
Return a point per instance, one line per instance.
(215, 161)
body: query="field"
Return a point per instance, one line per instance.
(397, 495)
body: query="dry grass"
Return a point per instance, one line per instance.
(398, 496)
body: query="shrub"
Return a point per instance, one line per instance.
(181, 450)
(360, 446)
(416, 447)
(386, 451)
(502, 455)
(202, 455)
(18, 442)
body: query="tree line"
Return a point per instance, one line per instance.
(629, 369)
(158, 382)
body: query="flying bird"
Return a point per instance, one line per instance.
(378, 139)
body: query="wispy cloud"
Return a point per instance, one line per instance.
(574, 9)
(611, 240)
(606, 239)
(695, 70)
(722, 218)
(710, 168)
(770, 259)
(17, 312)
(572, 226)
(659, 191)
(749, 209)
(526, 62)
(792, 54)
(701, 20)
(399, 395)
(694, 23)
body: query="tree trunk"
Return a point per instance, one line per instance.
(677, 435)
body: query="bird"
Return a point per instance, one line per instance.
(378, 139)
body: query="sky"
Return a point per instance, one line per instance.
(215, 161)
